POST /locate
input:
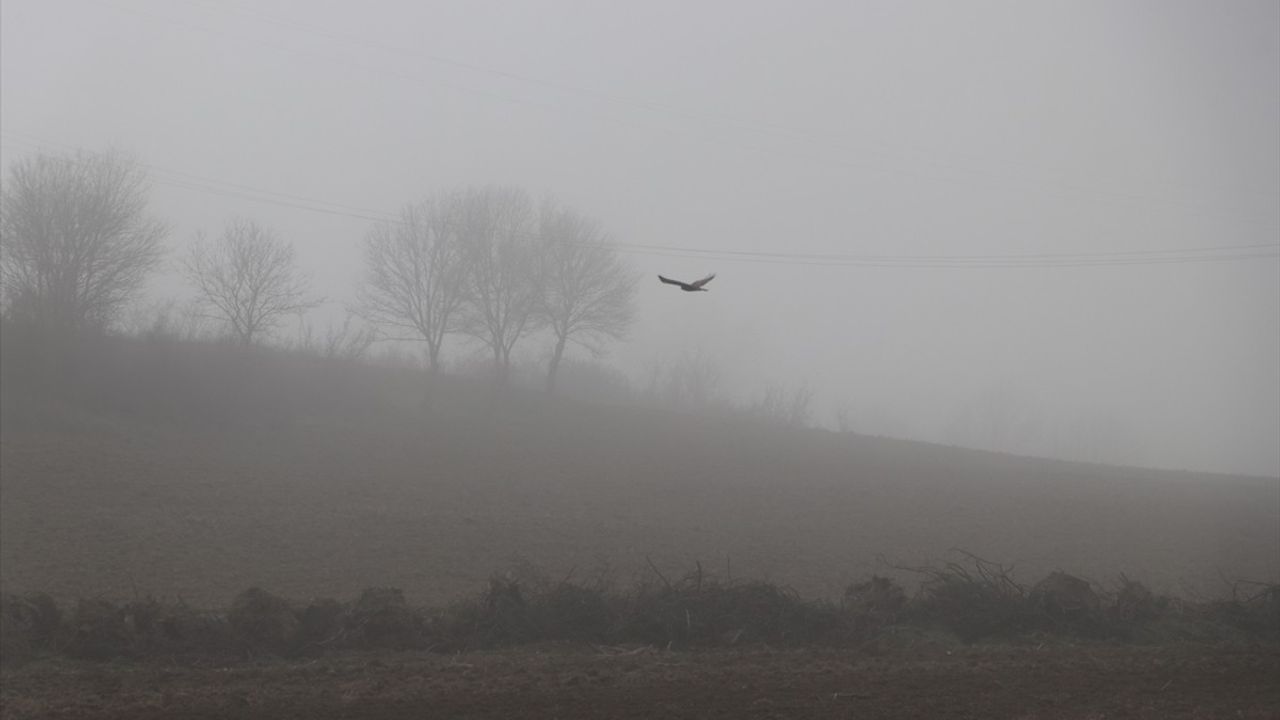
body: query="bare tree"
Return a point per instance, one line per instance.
(783, 407)
(588, 295)
(843, 417)
(691, 382)
(164, 320)
(1096, 435)
(343, 342)
(504, 292)
(1002, 417)
(76, 244)
(249, 277)
(416, 273)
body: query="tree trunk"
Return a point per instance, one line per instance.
(555, 364)
(500, 366)
(433, 359)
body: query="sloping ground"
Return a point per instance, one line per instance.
(433, 493)
(1045, 682)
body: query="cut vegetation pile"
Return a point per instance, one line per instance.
(971, 601)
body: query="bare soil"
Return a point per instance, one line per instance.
(436, 505)
(1028, 682)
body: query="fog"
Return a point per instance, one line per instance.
(1026, 198)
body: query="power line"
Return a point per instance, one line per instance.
(1185, 255)
(189, 181)
(337, 61)
(821, 141)
(460, 64)
(925, 262)
(1119, 254)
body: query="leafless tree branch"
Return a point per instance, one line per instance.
(505, 283)
(588, 294)
(249, 277)
(416, 273)
(75, 241)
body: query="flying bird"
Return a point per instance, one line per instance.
(695, 286)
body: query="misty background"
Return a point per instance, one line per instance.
(1061, 213)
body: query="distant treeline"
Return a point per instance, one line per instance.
(486, 262)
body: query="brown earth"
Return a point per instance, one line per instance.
(108, 505)
(1028, 682)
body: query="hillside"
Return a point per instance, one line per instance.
(193, 472)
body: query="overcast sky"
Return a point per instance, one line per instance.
(927, 130)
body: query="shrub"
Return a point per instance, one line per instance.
(99, 632)
(575, 612)
(177, 630)
(1257, 614)
(1135, 603)
(264, 622)
(1069, 605)
(381, 618)
(498, 616)
(28, 626)
(1065, 597)
(708, 613)
(879, 599)
(973, 602)
(321, 623)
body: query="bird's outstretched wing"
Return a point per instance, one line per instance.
(669, 281)
(703, 281)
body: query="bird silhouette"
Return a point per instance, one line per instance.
(695, 286)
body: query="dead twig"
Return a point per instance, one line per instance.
(658, 572)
